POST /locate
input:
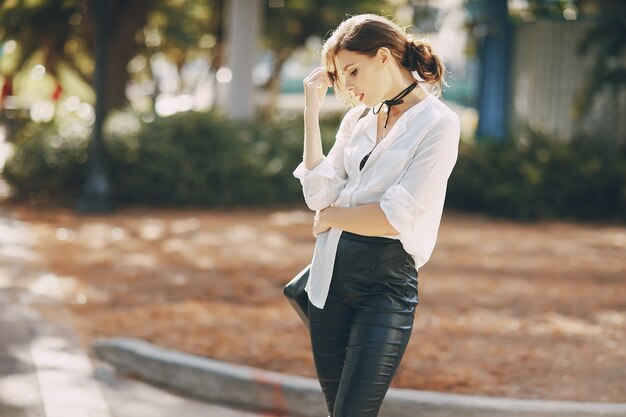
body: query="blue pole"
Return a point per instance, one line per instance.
(494, 57)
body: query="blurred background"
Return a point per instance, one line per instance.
(544, 78)
(147, 149)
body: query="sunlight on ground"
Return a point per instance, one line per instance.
(500, 302)
(50, 285)
(15, 390)
(289, 218)
(66, 379)
(185, 237)
(15, 241)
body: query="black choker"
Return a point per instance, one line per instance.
(396, 100)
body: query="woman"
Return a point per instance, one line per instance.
(378, 198)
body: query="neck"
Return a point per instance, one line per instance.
(400, 81)
(414, 97)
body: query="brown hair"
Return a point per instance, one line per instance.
(365, 34)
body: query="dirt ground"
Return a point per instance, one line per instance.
(506, 309)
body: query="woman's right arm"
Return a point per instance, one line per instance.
(313, 153)
(322, 184)
(315, 87)
(322, 177)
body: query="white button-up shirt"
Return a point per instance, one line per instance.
(407, 173)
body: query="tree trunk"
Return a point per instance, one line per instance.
(273, 84)
(127, 18)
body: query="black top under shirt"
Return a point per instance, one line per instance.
(364, 160)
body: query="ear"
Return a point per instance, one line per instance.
(383, 55)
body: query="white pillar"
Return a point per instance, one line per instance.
(244, 22)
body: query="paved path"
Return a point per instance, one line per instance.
(44, 372)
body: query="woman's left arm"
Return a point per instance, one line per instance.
(366, 220)
(419, 191)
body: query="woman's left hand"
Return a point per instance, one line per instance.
(320, 224)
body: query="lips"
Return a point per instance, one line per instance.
(360, 96)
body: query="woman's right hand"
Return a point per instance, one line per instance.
(316, 85)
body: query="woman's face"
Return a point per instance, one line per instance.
(363, 75)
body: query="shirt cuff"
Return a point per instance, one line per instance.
(323, 169)
(401, 210)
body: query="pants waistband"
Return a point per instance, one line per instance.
(368, 239)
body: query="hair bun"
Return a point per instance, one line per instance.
(417, 52)
(419, 57)
(411, 55)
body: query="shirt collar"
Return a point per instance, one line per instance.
(400, 127)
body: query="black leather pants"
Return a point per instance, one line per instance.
(360, 335)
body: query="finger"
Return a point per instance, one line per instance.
(326, 79)
(318, 83)
(319, 80)
(319, 71)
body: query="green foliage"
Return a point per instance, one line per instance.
(61, 35)
(200, 159)
(540, 178)
(46, 164)
(186, 159)
(291, 25)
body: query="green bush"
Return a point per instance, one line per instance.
(540, 178)
(186, 159)
(47, 164)
(195, 159)
(201, 159)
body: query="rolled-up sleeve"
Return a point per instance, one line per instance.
(322, 185)
(414, 205)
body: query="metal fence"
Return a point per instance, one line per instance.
(547, 76)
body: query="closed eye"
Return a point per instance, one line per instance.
(353, 73)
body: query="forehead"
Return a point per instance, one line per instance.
(345, 57)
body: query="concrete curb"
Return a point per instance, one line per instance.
(252, 388)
